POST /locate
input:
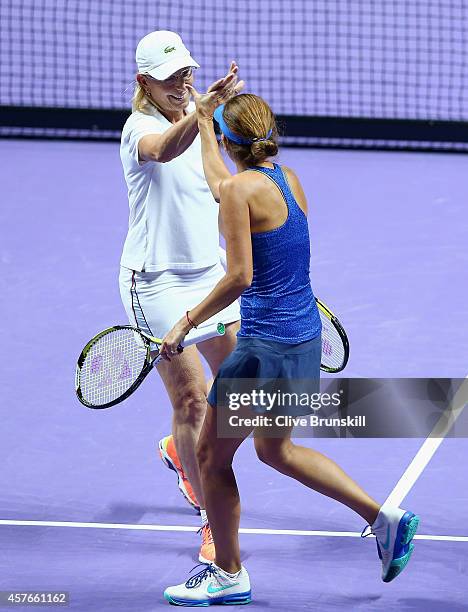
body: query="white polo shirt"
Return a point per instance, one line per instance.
(173, 221)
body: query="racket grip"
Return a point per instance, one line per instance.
(198, 336)
(212, 332)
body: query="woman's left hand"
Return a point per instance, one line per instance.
(171, 344)
(218, 93)
(204, 103)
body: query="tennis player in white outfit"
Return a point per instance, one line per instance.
(171, 257)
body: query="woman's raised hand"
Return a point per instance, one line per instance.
(218, 92)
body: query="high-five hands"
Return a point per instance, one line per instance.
(218, 92)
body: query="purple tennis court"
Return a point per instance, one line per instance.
(86, 505)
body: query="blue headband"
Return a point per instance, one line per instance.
(218, 116)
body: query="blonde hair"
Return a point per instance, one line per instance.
(141, 102)
(250, 116)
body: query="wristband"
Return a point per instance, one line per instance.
(190, 320)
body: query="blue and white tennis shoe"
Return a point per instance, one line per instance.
(394, 531)
(211, 586)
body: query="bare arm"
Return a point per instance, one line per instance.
(235, 212)
(213, 163)
(177, 139)
(171, 144)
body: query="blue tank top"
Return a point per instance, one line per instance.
(279, 304)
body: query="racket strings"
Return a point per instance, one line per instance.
(333, 350)
(111, 366)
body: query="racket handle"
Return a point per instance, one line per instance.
(220, 330)
(211, 332)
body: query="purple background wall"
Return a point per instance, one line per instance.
(320, 57)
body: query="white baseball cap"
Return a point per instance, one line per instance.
(162, 53)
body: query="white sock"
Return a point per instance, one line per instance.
(235, 575)
(386, 514)
(204, 518)
(378, 520)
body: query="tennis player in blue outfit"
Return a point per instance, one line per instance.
(263, 213)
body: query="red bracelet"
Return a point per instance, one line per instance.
(190, 320)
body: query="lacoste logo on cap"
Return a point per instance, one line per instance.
(169, 49)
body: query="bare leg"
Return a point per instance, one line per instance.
(218, 348)
(184, 379)
(315, 470)
(220, 488)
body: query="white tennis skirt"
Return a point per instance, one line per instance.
(155, 301)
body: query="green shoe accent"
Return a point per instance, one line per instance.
(398, 565)
(411, 529)
(235, 601)
(239, 602)
(174, 602)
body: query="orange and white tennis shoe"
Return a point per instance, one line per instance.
(168, 454)
(207, 550)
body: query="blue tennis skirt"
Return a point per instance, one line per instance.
(257, 363)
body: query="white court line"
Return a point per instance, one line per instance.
(288, 532)
(429, 446)
(396, 497)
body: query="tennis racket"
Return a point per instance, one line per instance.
(115, 362)
(335, 345)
